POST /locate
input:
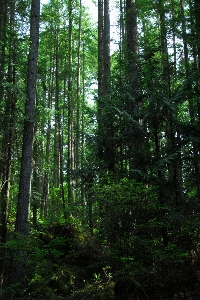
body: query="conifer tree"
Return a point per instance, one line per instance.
(23, 206)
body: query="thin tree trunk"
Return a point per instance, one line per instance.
(57, 116)
(45, 189)
(23, 205)
(7, 135)
(78, 106)
(62, 189)
(70, 158)
(135, 134)
(63, 130)
(122, 30)
(35, 192)
(46, 181)
(197, 43)
(3, 24)
(189, 98)
(106, 152)
(132, 48)
(100, 79)
(83, 131)
(22, 223)
(109, 155)
(197, 29)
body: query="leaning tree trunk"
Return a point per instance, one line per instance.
(22, 218)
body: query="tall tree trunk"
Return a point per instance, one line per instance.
(189, 88)
(56, 179)
(178, 186)
(197, 44)
(78, 107)
(109, 156)
(45, 188)
(172, 177)
(46, 181)
(22, 223)
(82, 155)
(166, 80)
(22, 218)
(197, 29)
(35, 187)
(3, 24)
(100, 78)
(135, 133)
(132, 48)
(63, 131)
(105, 114)
(7, 132)
(122, 30)
(70, 155)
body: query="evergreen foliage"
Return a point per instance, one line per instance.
(115, 184)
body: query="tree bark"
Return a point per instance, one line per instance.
(109, 155)
(134, 124)
(8, 128)
(23, 205)
(106, 152)
(188, 74)
(70, 153)
(100, 78)
(3, 23)
(78, 107)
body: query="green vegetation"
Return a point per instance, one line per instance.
(100, 160)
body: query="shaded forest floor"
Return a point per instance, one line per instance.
(64, 263)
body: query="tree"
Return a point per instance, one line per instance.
(70, 155)
(134, 87)
(125, 169)
(106, 147)
(3, 23)
(9, 96)
(23, 206)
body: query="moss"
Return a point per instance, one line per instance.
(44, 237)
(62, 281)
(44, 291)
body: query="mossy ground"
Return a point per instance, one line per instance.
(66, 263)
